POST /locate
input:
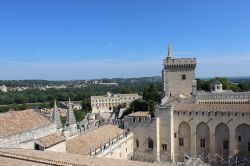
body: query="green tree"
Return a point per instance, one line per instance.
(24, 106)
(139, 105)
(63, 120)
(86, 105)
(244, 86)
(79, 115)
(135, 106)
(45, 105)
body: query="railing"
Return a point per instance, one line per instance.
(106, 145)
(185, 159)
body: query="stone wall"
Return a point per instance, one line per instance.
(225, 97)
(26, 139)
(214, 127)
(122, 149)
(61, 147)
(178, 76)
(144, 130)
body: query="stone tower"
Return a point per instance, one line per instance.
(55, 117)
(178, 75)
(70, 119)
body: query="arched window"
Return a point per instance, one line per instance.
(150, 143)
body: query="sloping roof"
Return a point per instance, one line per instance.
(139, 114)
(24, 157)
(19, 121)
(92, 139)
(213, 107)
(50, 140)
(176, 98)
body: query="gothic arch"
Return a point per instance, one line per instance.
(242, 140)
(222, 140)
(202, 138)
(184, 138)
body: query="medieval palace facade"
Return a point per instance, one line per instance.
(189, 123)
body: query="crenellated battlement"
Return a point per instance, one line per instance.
(180, 62)
(139, 121)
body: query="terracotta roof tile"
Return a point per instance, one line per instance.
(213, 107)
(140, 113)
(92, 140)
(50, 140)
(34, 157)
(19, 121)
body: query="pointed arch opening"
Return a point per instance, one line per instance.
(242, 140)
(202, 139)
(184, 136)
(222, 140)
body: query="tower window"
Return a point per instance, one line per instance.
(183, 76)
(150, 143)
(225, 144)
(248, 146)
(137, 143)
(239, 138)
(181, 141)
(202, 143)
(164, 147)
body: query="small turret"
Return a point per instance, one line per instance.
(70, 119)
(216, 86)
(55, 118)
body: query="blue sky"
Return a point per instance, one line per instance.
(85, 39)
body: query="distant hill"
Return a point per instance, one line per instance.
(71, 83)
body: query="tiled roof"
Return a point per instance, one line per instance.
(140, 113)
(213, 107)
(19, 121)
(176, 97)
(50, 140)
(22, 157)
(92, 139)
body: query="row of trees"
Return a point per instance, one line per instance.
(151, 96)
(226, 84)
(77, 94)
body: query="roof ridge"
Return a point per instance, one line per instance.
(36, 159)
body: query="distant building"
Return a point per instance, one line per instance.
(3, 88)
(108, 84)
(108, 102)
